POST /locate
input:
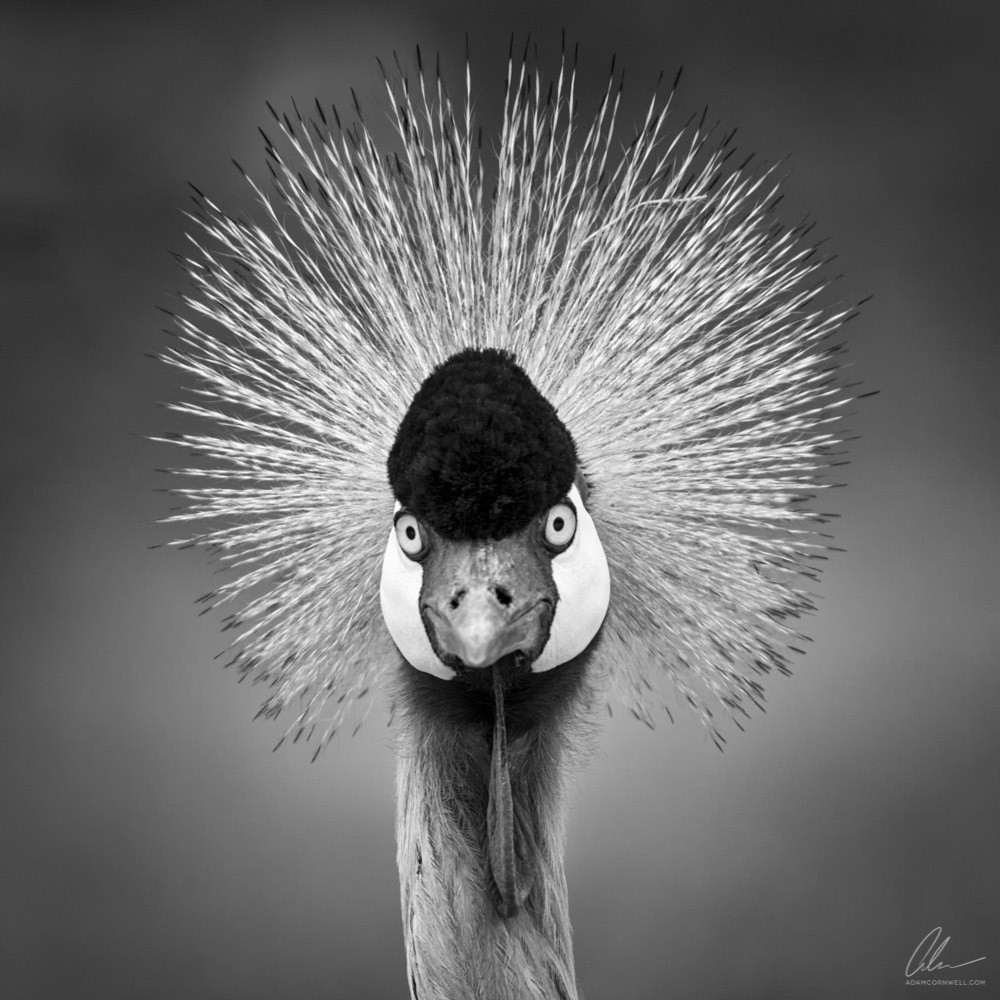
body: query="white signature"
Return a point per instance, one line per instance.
(925, 955)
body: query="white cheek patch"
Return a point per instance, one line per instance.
(584, 584)
(399, 593)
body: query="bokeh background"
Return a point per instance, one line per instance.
(152, 845)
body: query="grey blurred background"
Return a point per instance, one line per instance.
(152, 846)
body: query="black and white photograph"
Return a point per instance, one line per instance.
(500, 500)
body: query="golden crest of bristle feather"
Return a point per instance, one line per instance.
(646, 290)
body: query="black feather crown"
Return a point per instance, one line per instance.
(480, 451)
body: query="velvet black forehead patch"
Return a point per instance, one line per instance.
(480, 451)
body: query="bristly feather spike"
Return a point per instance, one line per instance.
(643, 285)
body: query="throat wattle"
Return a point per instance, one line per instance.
(511, 839)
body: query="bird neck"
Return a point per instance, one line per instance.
(466, 936)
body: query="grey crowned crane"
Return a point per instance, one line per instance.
(501, 435)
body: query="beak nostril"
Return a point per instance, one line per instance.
(456, 598)
(503, 595)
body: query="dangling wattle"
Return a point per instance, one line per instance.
(511, 853)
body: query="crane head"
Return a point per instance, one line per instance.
(492, 557)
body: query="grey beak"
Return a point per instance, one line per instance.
(483, 600)
(481, 630)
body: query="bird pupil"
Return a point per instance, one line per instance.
(411, 532)
(558, 523)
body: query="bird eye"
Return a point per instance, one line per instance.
(409, 535)
(560, 526)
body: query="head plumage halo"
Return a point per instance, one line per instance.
(648, 295)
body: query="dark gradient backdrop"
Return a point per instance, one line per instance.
(152, 846)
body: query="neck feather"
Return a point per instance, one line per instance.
(458, 945)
